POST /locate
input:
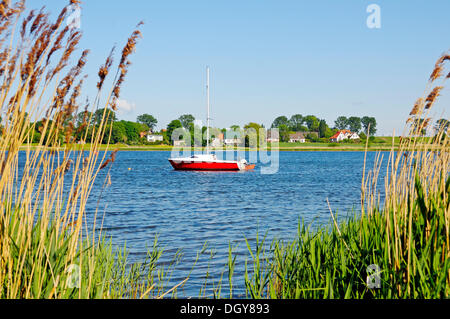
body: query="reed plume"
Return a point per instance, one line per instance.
(439, 67)
(45, 186)
(417, 107)
(402, 231)
(104, 69)
(432, 97)
(415, 210)
(125, 63)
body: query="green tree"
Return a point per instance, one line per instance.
(110, 115)
(254, 133)
(171, 127)
(366, 121)
(330, 132)
(284, 133)
(131, 130)
(420, 123)
(235, 132)
(354, 124)
(312, 137)
(362, 137)
(127, 131)
(148, 120)
(39, 128)
(341, 123)
(186, 120)
(312, 123)
(84, 116)
(442, 124)
(323, 127)
(118, 133)
(280, 120)
(296, 123)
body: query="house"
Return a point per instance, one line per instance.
(217, 141)
(232, 137)
(232, 141)
(297, 137)
(353, 136)
(178, 140)
(300, 137)
(344, 135)
(339, 136)
(154, 138)
(273, 136)
(178, 143)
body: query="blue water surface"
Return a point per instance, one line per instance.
(188, 209)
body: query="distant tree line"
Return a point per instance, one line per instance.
(122, 131)
(250, 134)
(356, 124)
(311, 123)
(130, 132)
(300, 123)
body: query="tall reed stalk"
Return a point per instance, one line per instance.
(397, 248)
(46, 248)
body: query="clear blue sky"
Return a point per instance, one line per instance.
(270, 58)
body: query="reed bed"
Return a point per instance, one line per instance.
(47, 250)
(398, 247)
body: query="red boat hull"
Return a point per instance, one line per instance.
(204, 166)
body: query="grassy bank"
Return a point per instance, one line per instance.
(282, 147)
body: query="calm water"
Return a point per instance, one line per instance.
(187, 209)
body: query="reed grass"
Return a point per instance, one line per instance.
(405, 234)
(47, 250)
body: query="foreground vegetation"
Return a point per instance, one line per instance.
(398, 247)
(47, 250)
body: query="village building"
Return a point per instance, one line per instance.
(154, 138)
(232, 141)
(217, 141)
(344, 135)
(297, 137)
(232, 137)
(273, 136)
(300, 137)
(178, 143)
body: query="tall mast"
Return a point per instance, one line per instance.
(207, 102)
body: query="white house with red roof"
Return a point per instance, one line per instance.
(344, 135)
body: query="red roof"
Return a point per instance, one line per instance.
(335, 135)
(339, 132)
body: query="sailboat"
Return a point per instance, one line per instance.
(208, 161)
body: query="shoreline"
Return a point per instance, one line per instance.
(282, 149)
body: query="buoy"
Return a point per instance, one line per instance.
(129, 168)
